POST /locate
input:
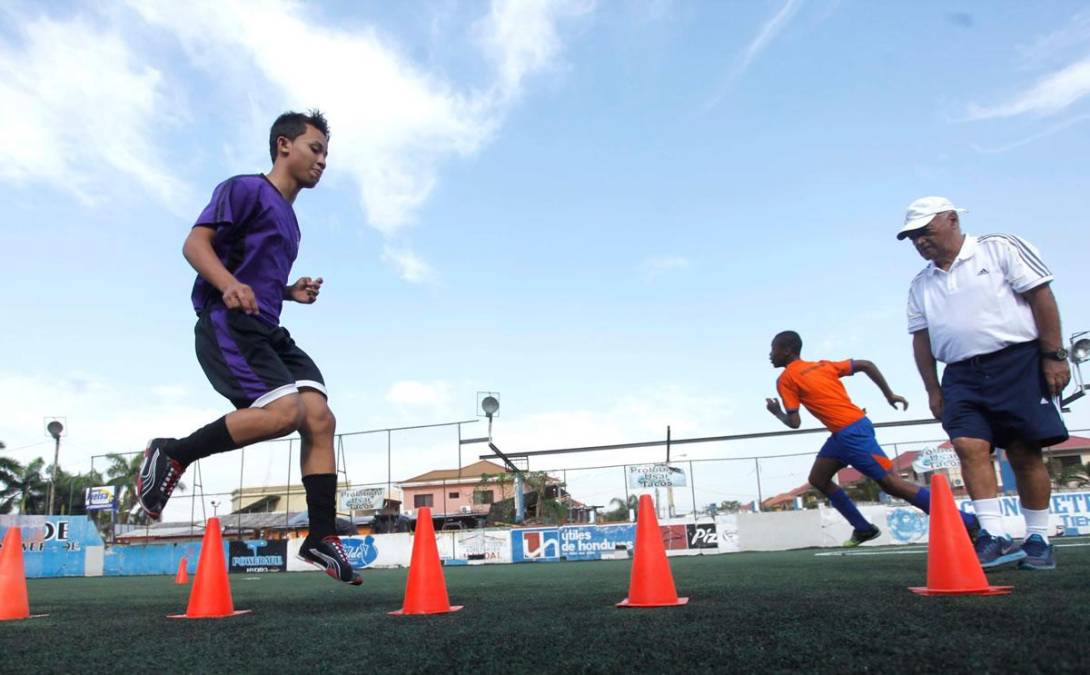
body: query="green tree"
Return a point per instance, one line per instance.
(546, 508)
(863, 491)
(23, 486)
(10, 470)
(618, 509)
(71, 494)
(1070, 476)
(730, 506)
(121, 472)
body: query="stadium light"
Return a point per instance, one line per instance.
(488, 405)
(1078, 354)
(54, 428)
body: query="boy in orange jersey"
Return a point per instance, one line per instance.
(816, 385)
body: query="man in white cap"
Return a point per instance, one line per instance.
(984, 306)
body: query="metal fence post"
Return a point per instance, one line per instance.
(692, 486)
(760, 497)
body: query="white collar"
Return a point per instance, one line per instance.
(968, 250)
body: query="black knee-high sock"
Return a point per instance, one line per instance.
(321, 503)
(208, 440)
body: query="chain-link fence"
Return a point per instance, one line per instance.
(265, 478)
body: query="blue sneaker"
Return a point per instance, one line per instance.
(994, 551)
(1038, 554)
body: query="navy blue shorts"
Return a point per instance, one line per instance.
(856, 446)
(250, 362)
(1001, 397)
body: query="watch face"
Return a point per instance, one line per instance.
(1061, 354)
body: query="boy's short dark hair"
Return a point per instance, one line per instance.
(291, 125)
(789, 339)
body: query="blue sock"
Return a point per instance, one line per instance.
(843, 503)
(922, 501)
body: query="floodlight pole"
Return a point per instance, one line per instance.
(54, 428)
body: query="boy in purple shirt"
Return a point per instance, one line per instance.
(242, 247)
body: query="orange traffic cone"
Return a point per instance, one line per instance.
(652, 584)
(182, 577)
(426, 589)
(952, 565)
(13, 598)
(210, 597)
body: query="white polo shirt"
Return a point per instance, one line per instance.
(976, 306)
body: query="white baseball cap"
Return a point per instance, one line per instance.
(921, 211)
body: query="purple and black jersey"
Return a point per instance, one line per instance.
(257, 240)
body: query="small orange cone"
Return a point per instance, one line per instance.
(210, 597)
(182, 577)
(426, 589)
(952, 565)
(652, 584)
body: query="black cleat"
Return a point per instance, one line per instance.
(861, 536)
(157, 478)
(328, 554)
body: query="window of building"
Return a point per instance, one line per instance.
(482, 497)
(423, 500)
(452, 495)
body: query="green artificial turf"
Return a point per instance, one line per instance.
(752, 612)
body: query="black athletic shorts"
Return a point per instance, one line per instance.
(250, 362)
(1001, 397)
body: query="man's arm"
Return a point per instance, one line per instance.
(870, 370)
(202, 257)
(1046, 314)
(925, 363)
(791, 419)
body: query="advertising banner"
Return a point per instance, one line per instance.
(702, 535)
(257, 555)
(362, 499)
(53, 546)
(371, 550)
(931, 459)
(101, 498)
(474, 547)
(570, 543)
(647, 476)
(674, 537)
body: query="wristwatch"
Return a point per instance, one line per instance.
(1058, 355)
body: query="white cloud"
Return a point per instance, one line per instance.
(80, 109)
(521, 38)
(768, 33)
(392, 122)
(1054, 129)
(1048, 96)
(1058, 45)
(100, 417)
(410, 267)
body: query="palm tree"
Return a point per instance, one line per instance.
(71, 496)
(23, 486)
(10, 470)
(122, 473)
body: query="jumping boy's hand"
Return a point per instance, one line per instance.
(773, 406)
(894, 399)
(305, 290)
(238, 295)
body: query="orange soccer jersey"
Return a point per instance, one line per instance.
(816, 385)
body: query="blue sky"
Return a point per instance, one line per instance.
(603, 211)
